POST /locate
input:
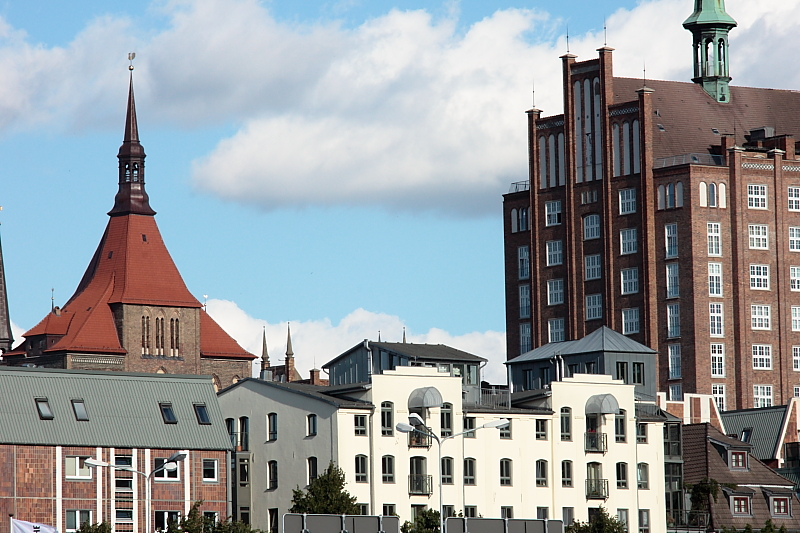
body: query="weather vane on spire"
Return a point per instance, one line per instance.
(131, 56)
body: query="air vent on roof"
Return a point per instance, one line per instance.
(110, 254)
(661, 127)
(715, 130)
(761, 133)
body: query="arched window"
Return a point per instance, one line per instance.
(272, 427)
(145, 335)
(619, 426)
(514, 227)
(272, 468)
(703, 190)
(566, 423)
(387, 468)
(636, 161)
(551, 141)
(543, 162)
(311, 425)
(616, 147)
(523, 219)
(541, 473)
(447, 420)
(387, 419)
(505, 472)
(217, 383)
(230, 425)
(622, 475)
(579, 133)
(723, 202)
(661, 197)
(679, 194)
(469, 471)
(670, 196)
(597, 137)
(447, 470)
(136, 172)
(626, 148)
(566, 473)
(244, 433)
(312, 469)
(562, 180)
(643, 476)
(712, 195)
(361, 468)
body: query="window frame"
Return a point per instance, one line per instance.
(311, 425)
(77, 460)
(628, 241)
(594, 307)
(552, 213)
(758, 236)
(627, 201)
(360, 425)
(554, 252)
(214, 466)
(591, 227)
(361, 469)
(541, 471)
(566, 473)
(642, 476)
(629, 280)
(757, 196)
(670, 240)
(622, 475)
(506, 472)
(762, 356)
(714, 239)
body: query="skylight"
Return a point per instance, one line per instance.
(80, 410)
(202, 413)
(45, 413)
(168, 414)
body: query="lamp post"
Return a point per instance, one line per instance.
(170, 465)
(408, 428)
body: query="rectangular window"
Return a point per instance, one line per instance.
(389, 509)
(741, 505)
(717, 360)
(594, 306)
(644, 520)
(794, 278)
(738, 460)
(555, 291)
(759, 277)
(76, 519)
(673, 321)
(630, 321)
(124, 515)
(627, 201)
(794, 198)
(796, 358)
(671, 233)
(524, 338)
(81, 415)
(360, 423)
(717, 322)
(505, 472)
(628, 242)
(714, 239)
(715, 279)
(210, 470)
(674, 351)
(311, 463)
(201, 413)
(555, 253)
(759, 239)
(43, 406)
(469, 471)
(311, 425)
(592, 267)
(756, 196)
(361, 468)
(643, 476)
(760, 317)
(566, 473)
(469, 423)
(673, 282)
(163, 473)
(506, 512)
(780, 506)
(641, 433)
(622, 475)
(718, 392)
(387, 468)
(167, 413)
(638, 373)
(524, 262)
(795, 318)
(470, 511)
(541, 429)
(524, 301)
(552, 212)
(591, 227)
(630, 280)
(76, 468)
(163, 519)
(794, 239)
(505, 431)
(555, 329)
(762, 395)
(762, 357)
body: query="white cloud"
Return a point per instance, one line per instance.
(315, 342)
(404, 111)
(17, 332)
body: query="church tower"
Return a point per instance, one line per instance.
(710, 25)
(6, 337)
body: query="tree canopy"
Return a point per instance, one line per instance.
(325, 495)
(601, 522)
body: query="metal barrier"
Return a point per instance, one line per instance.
(334, 523)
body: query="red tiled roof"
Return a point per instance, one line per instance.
(214, 342)
(51, 324)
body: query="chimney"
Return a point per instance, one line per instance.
(289, 368)
(314, 374)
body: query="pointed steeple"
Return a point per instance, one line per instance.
(289, 352)
(710, 24)
(6, 337)
(264, 351)
(404, 334)
(131, 197)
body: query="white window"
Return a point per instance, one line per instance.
(714, 246)
(210, 470)
(794, 278)
(762, 357)
(592, 267)
(795, 318)
(760, 316)
(718, 392)
(794, 239)
(796, 358)
(628, 242)
(555, 254)
(671, 231)
(756, 196)
(794, 198)
(524, 262)
(630, 321)
(555, 291)
(524, 338)
(591, 227)
(630, 280)
(594, 306)
(552, 212)
(759, 277)
(797, 392)
(164, 474)
(759, 238)
(715, 279)
(717, 321)
(675, 395)
(673, 320)
(674, 361)
(717, 360)
(524, 301)
(627, 201)
(762, 395)
(76, 468)
(555, 329)
(673, 285)
(76, 519)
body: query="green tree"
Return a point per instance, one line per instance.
(325, 495)
(100, 527)
(427, 521)
(601, 522)
(195, 522)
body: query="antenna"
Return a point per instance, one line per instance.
(605, 32)
(205, 304)
(52, 299)
(644, 73)
(567, 38)
(131, 56)
(533, 93)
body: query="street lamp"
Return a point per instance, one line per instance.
(408, 428)
(170, 465)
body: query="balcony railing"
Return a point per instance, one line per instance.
(240, 441)
(596, 489)
(418, 440)
(596, 442)
(519, 186)
(495, 398)
(693, 159)
(679, 519)
(420, 484)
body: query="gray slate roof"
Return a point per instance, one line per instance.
(602, 339)
(424, 352)
(767, 424)
(330, 395)
(123, 409)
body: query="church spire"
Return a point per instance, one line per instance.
(131, 197)
(710, 24)
(6, 337)
(264, 351)
(289, 352)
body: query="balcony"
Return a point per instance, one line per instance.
(691, 159)
(519, 186)
(595, 442)
(678, 519)
(420, 484)
(596, 489)
(418, 440)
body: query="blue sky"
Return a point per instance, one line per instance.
(339, 165)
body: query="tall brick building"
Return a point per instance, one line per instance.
(132, 311)
(669, 212)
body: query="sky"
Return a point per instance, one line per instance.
(336, 165)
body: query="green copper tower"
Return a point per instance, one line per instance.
(710, 25)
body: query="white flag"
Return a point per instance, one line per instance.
(21, 526)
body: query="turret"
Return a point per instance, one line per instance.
(710, 25)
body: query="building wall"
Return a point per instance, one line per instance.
(514, 239)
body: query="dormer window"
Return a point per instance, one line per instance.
(780, 506)
(746, 434)
(79, 408)
(741, 505)
(43, 405)
(737, 460)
